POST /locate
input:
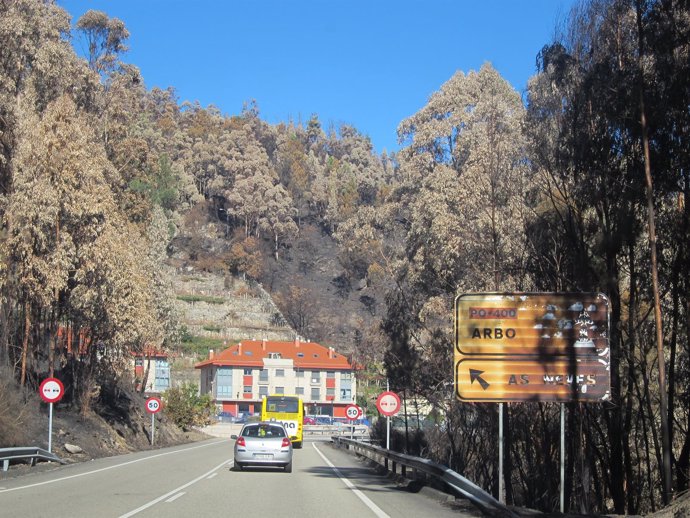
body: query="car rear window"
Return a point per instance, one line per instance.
(263, 431)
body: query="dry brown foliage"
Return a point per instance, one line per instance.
(18, 412)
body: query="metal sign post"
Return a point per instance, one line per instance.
(353, 412)
(50, 428)
(51, 390)
(562, 458)
(153, 405)
(388, 432)
(388, 423)
(501, 489)
(388, 403)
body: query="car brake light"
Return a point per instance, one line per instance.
(240, 441)
(286, 442)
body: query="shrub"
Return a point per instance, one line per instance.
(201, 298)
(213, 329)
(19, 414)
(186, 408)
(200, 345)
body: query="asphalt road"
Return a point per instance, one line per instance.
(198, 480)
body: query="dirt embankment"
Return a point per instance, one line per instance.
(107, 430)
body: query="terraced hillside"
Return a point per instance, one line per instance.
(227, 308)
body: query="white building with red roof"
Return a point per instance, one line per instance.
(241, 375)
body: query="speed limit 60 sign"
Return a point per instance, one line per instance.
(153, 405)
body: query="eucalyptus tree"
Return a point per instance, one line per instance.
(466, 151)
(35, 54)
(293, 170)
(357, 151)
(585, 122)
(37, 67)
(663, 30)
(277, 218)
(316, 169)
(254, 178)
(457, 202)
(105, 39)
(205, 152)
(465, 171)
(69, 247)
(315, 134)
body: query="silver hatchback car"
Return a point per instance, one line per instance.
(263, 444)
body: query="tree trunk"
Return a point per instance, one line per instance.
(631, 489)
(614, 415)
(683, 461)
(147, 370)
(52, 342)
(25, 343)
(665, 435)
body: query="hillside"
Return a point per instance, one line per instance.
(306, 291)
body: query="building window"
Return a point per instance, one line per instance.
(280, 390)
(345, 376)
(315, 394)
(345, 395)
(247, 372)
(330, 392)
(316, 376)
(330, 374)
(162, 374)
(299, 391)
(247, 389)
(299, 374)
(263, 375)
(263, 391)
(224, 382)
(280, 373)
(274, 356)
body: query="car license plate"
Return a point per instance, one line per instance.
(263, 456)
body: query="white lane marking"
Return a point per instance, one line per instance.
(108, 468)
(173, 498)
(212, 475)
(170, 493)
(371, 505)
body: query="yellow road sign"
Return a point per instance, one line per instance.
(532, 347)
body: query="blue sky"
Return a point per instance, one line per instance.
(367, 63)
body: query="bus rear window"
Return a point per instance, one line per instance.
(282, 404)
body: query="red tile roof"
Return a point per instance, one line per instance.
(305, 355)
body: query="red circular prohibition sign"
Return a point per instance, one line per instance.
(51, 390)
(388, 403)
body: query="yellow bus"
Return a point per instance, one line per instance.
(289, 410)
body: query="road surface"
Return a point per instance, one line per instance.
(198, 480)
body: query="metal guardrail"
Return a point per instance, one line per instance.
(455, 482)
(344, 430)
(32, 453)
